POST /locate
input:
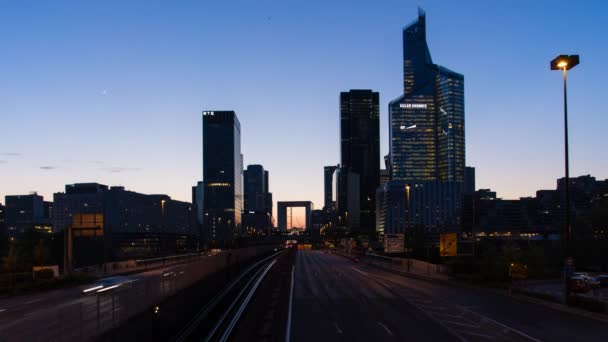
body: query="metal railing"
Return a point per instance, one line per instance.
(89, 316)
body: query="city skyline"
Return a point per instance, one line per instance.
(163, 154)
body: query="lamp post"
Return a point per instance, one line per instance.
(565, 63)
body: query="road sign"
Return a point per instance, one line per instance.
(447, 244)
(518, 271)
(393, 243)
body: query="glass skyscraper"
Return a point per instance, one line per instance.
(360, 156)
(427, 121)
(427, 143)
(222, 177)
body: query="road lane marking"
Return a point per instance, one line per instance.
(288, 332)
(2, 310)
(477, 334)
(431, 312)
(448, 315)
(474, 326)
(388, 331)
(34, 301)
(358, 270)
(338, 328)
(508, 327)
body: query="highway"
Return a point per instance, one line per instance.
(69, 314)
(336, 299)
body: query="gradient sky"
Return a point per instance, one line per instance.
(112, 91)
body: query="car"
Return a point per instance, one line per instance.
(594, 283)
(591, 281)
(106, 284)
(578, 284)
(603, 279)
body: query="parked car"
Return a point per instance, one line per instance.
(578, 284)
(593, 282)
(603, 279)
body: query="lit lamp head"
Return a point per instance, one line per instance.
(564, 62)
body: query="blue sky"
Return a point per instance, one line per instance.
(112, 91)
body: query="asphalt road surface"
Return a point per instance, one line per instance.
(336, 299)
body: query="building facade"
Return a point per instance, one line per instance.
(328, 190)
(427, 146)
(257, 214)
(2, 229)
(360, 156)
(469, 180)
(129, 224)
(427, 121)
(433, 206)
(222, 177)
(23, 213)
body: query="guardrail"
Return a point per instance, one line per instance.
(89, 316)
(409, 266)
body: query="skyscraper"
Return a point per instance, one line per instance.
(427, 121)
(328, 174)
(222, 177)
(257, 215)
(426, 147)
(257, 197)
(469, 180)
(360, 154)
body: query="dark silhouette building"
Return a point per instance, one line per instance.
(360, 156)
(222, 177)
(128, 224)
(197, 201)
(257, 196)
(328, 177)
(23, 213)
(257, 216)
(2, 230)
(469, 180)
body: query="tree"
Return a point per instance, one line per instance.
(10, 263)
(41, 253)
(10, 260)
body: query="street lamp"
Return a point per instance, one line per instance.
(565, 63)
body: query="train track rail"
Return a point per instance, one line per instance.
(217, 319)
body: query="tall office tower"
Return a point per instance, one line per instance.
(197, 201)
(222, 177)
(257, 216)
(427, 146)
(385, 176)
(469, 180)
(360, 154)
(427, 121)
(2, 232)
(256, 189)
(328, 174)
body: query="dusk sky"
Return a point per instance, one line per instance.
(112, 91)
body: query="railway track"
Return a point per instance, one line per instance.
(217, 320)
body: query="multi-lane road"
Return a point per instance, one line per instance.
(319, 297)
(336, 299)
